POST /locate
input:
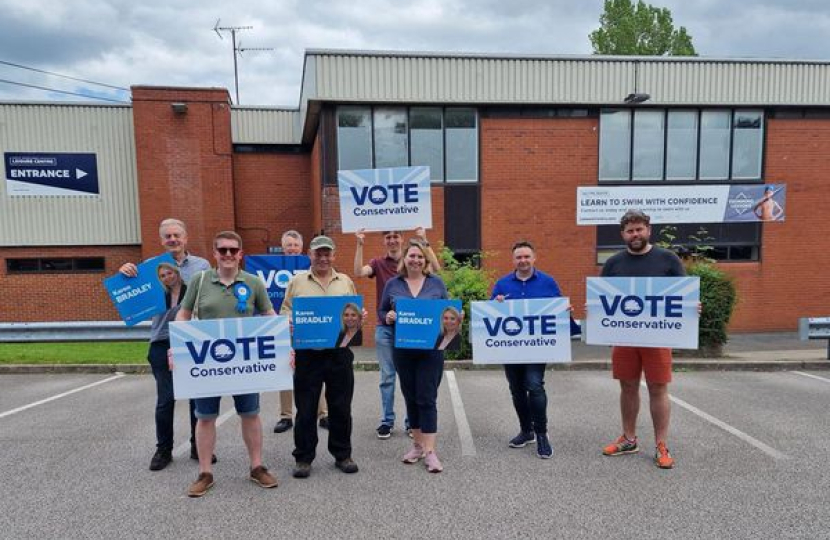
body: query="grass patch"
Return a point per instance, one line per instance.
(118, 352)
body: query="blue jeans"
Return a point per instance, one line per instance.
(527, 387)
(384, 344)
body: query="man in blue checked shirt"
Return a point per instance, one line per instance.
(527, 381)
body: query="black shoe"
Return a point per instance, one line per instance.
(384, 431)
(301, 470)
(194, 454)
(161, 459)
(324, 422)
(283, 425)
(347, 465)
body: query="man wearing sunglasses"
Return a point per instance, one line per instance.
(382, 269)
(224, 293)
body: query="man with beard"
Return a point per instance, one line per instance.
(642, 259)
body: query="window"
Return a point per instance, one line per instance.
(443, 138)
(647, 145)
(738, 242)
(55, 265)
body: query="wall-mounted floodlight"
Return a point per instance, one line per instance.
(633, 99)
(179, 108)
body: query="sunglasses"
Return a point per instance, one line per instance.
(228, 250)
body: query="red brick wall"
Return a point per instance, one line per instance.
(790, 281)
(530, 169)
(61, 297)
(273, 195)
(184, 163)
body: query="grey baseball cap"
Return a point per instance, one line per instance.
(321, 242)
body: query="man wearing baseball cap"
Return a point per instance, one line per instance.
(315, 367)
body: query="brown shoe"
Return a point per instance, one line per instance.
(201, 486)
(261, 476)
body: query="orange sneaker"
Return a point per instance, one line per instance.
(621, 446)
(662, 457)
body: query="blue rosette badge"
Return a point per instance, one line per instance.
(242, 293)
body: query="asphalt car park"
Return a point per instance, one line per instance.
(751, 451)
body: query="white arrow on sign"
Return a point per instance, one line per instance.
(79, 174)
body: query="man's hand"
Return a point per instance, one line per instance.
(129, 270)
(170, 364)
(361, 236)
(421, 234)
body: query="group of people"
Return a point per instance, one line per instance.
(324, 379)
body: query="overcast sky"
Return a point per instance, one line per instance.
(172, 42)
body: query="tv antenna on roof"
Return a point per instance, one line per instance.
(237, 50)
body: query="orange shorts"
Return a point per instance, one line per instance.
(629, 362)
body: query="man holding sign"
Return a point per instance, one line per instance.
(225, 293)
(527, 381)
(315, 367)
(642, 259)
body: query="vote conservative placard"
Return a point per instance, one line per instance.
(605, 205)
(531, 331)
(224, 357)
(276, 271)
(327, 322)
(385, 199)
(428, 324)
(643, 311)
(139, 298)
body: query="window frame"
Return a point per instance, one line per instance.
(42, 262)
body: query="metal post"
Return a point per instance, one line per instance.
(235, 68)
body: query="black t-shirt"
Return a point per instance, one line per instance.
(658, 262)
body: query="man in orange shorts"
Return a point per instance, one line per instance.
(642, 259)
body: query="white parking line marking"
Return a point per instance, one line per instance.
(770, 451)
(816, 377)
(58, 396)
(184, 448)
(468, 447)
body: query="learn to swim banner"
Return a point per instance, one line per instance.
(428, 324)
(225, 357)
(276, 271)
(643, 311)
(139, 298)
(532, 331)
(385, 199)
(327, 322)
(597, 205)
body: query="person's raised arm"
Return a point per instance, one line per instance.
(432, 258)
(360, 269)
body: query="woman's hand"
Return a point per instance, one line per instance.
(391, 317)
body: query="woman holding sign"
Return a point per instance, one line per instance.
(420, 370)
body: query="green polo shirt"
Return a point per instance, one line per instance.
(218, 301)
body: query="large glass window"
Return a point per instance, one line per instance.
(391, 141)
(354, 138)
(426, 132)
(615, 145)
(681, 145)
(648, 145)
(445, 139)
(705, 144)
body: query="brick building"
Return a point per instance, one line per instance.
(508, 141)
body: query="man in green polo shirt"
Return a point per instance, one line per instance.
(313, 367)
(223, 293)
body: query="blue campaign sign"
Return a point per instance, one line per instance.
(276, 271)
(532, 331)
(225, 357)
(327, 322)
(643, 311)
(428, 324)
(37, 174)
(385, 199)
(139, 298)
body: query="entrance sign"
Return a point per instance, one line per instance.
(223, 357)
(385, 199)
(139, 298)
(643, 311)
(532, 331)
(39, 174)
(276, 271)
(597, 205)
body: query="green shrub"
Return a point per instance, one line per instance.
(718, 296)
(467, 282)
